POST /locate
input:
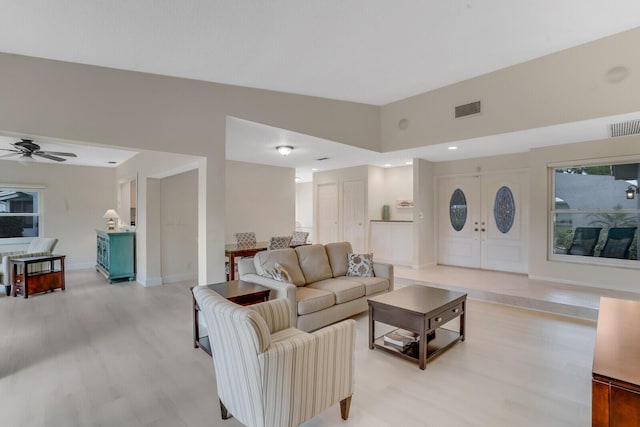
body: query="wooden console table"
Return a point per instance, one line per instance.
(616, 371)
(40, 281)
(242, 293)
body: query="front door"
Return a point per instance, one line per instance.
(483, 221)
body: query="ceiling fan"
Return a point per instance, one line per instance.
(27, 148)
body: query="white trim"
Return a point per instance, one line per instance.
(578, 283)
(23, 186)
(184, 277)
(630, 264)
(595, 161)
(153, 281)
(492, 172)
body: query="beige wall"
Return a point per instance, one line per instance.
(179, 227)
(259, 198)
(567, 86)
(304, 207)
(74, 198)
(80, 103)
(398, 185)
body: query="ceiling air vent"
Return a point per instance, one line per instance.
(323, 158)
(632, 127)
(468, 109)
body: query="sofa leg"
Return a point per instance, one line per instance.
(223, 411)
(345, 405)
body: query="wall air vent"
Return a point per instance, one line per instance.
(632, 127)
(323, 158)
(468, 109)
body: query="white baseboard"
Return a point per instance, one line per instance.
(184, 277)
(149, 281)
(580, 283)
(422, 266)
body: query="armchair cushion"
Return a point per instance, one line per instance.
(42, 244)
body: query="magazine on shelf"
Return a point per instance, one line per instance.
(401, 338)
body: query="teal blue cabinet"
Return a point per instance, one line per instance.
(116, 255)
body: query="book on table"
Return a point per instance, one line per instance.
(401, 338)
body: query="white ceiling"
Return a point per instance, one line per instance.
(370, 51)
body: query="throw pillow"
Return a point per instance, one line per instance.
(360, 265)
(280, 274)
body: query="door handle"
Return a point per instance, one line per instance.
(475, 229)
(484, 229)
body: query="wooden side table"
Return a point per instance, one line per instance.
(237, 291)
(42, 281)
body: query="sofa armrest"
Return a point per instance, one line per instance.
(381, 269)
(275, 312)
(278, 290)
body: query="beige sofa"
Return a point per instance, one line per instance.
(40, 246)
(321, 292)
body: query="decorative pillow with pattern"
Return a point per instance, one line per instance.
(280, 274)
(360, 265)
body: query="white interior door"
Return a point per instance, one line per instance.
(353, 213)
(482, 222)
(459, 221)
(327, 209)
(506, 213)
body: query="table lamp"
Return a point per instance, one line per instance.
(111, 214)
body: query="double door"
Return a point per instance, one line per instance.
(483, 221)
(344, 220)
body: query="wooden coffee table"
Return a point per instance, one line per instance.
(423, 310)
(242, 293)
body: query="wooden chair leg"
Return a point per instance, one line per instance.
(345, 405)
(223, 411)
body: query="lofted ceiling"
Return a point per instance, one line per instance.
(368, 51)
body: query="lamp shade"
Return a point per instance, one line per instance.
(111, 213)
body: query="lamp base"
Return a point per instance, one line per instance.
(111, 225)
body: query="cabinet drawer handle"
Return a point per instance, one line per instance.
(438, 319)
(455, 310)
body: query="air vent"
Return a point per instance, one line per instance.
(468, 109)
(323, 158)
(632, 127)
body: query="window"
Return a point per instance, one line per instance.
(19, 213)
(595, 213)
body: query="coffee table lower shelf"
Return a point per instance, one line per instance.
(444, 338)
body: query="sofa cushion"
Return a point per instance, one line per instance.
(344, 290)
(337, 253)
(264, 262)
(372, 285)
(311, 300)
(314, 263)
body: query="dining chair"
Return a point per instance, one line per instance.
(279, 242)
(246, 239)
(299, 237)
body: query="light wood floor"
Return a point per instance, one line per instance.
(122, 355)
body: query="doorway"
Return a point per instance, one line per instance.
(483, 221)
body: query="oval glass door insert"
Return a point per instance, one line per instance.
(458, 209)
(504, 209)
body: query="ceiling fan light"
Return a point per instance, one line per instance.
(285, 150)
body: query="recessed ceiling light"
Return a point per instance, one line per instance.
(111, 162)
(410, 162)
(298, 179)
(387, 165)
(314, 169)
(452, 147)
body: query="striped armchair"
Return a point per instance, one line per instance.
(269, 374)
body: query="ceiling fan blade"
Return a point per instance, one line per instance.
(9, 149)
(57, 153)
(47, 156)
(12, 154)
